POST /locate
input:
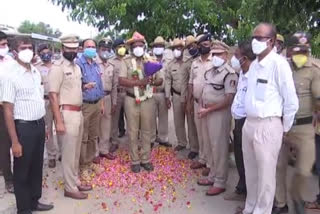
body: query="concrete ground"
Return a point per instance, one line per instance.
(189, 197)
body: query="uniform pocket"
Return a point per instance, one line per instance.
(261, 89)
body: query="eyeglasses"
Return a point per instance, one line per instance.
(261, 38)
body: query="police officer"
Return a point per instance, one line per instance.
(160, 128)
(110, 82)
(139, 104)
(173, 87)
(279, 45)
(65, 92)
(196, 82)
(189, 54)
(216, 99)
(118, 116)
(306, 76)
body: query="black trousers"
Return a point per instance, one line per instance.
(27, 170)
(237, 133)
(5, 145)
(121, 121)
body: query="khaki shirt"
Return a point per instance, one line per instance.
(120, 66)
(162, 74)
(109, 77)
(218, 83)
(185, 73)
(307, 83)
(173, 77)
(65, 79)
(198, 69)
(127, 72)
(44, 72)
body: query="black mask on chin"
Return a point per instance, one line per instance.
(204, 50)
(70, 55)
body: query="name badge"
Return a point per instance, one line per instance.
(262, 81)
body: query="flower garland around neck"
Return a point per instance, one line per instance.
(137, 74)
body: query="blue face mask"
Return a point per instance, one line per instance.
(90, 53)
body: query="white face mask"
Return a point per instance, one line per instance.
(177, 53)
(158, 51)
(138, 51)
(258, 47)
(217, 61)
(4, 51)
(25, 55)
(235, 63)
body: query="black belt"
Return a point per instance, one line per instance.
(303, 121)
(36, 122)
(91, 102)
(175, 91)
(131, 95)
(46, 97)
(106, 93)
(120, 90)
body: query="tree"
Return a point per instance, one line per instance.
(228, 20)
(40, 28)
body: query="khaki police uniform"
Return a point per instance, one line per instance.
(185, 75)
(173, 86)
(218, 83)
(110, 83)
(198, 69)
(65, 80)
(139, 118)
(301, 136)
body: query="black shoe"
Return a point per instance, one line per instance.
(147, 166)
(121, 134)
(42, 207)
(9, 187)
(152, 145)
(278, 210)
(113, 148)
(179, 148)
(135, 168)
(165, 144)
(192, 155)
(52, 163)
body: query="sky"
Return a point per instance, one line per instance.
(13, 12)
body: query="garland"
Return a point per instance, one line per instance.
(147, 91)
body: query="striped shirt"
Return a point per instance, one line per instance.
(24, 90)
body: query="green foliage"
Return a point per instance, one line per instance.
(40, 28)
(228, 20)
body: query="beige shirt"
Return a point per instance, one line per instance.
(173, 77)
(198, 69)
(162, 74)
(109, 77)
(120, 67)
(44, 72)
(185, 73)
(65, 79)
(218, 83)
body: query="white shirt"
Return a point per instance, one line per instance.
(23, 89)
(271, 91)
(237, 109)
(4, 63)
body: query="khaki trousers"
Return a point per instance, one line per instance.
(302, 138)
(160, 119)
(50, 145)
(261, 143)
(70, 148)
(192, 133)
(179, 120)
(105, 126)
(203, 137)
(139, 118)
(115, 118)
(91, 115)
(218, 125)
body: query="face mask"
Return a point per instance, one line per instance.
(158, 51)
(4, 51)
(107, 54)
(217, 61)
(204, 50)
(70, 55)
(138, 51)
(235, 63)
(122, 51)
(193, 51)
(25, 56)
(258, 47)
(46, 57)
(176, 53)
(90, 53)
(299, 60)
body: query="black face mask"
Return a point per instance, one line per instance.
(193, 51)
(70, 55)
(204, 50)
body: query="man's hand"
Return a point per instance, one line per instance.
(168, 103)
(113, 109)
(60, 128)
(16, 149)
(143, 82)
(89, 85)
(316, 118)
(189, 108)
(203, 112)
(102, 110)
